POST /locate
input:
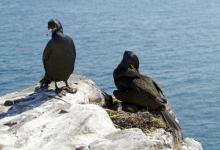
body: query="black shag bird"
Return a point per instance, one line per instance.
(58, 58)
(135, 88)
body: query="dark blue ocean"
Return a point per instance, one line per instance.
(177, 41)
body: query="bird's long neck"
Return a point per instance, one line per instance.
(57, 34)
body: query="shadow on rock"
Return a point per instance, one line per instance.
(20, 105)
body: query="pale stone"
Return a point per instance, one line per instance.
(42, 120)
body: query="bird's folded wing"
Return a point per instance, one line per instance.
(145, 87)
(46, 53)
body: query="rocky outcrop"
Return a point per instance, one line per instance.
(38, 119)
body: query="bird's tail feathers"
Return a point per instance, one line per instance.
(173, 127)
(170, 120)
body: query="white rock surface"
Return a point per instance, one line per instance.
(191, 144)
(41, 120)
(133, 139)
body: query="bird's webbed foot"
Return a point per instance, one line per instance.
(44, 83)
(69, 89)
(60, 92)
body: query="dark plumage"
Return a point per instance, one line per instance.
(58, 57)
(138, 89)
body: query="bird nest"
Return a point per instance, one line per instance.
(145, 121)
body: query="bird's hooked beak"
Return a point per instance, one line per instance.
(132, 67)
(50, 31)
(135, 70)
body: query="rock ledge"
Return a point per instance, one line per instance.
(38, 119)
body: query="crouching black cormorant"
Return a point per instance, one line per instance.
(58, 58)
(140, 90)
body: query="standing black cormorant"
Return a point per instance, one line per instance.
(58, 58)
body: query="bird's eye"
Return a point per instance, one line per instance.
(51, 25)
